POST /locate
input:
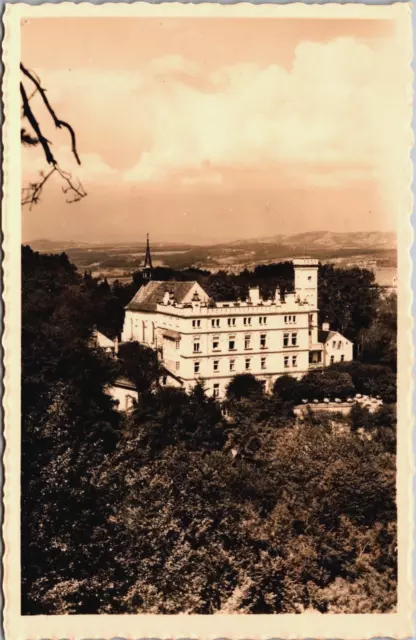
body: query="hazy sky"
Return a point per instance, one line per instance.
(215, 129)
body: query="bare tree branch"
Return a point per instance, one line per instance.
(28, 113)
(32, 193)
(58, 123)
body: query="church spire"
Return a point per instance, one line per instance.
(147, 267)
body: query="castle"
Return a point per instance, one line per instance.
(198, 338)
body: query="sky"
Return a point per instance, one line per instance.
(215, 129)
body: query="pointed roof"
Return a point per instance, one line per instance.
(152, 294)
(148, 256)
(325, 336)
(103, 341)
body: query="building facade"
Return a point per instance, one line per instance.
(199, 339)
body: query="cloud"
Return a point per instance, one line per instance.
(339, 104)
(92, 168)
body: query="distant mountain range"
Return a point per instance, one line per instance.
(327, 246)
(309, 240)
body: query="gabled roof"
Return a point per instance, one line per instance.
(152, 293)
(326, 336)
(103, 341)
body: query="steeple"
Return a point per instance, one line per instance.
(147, 267)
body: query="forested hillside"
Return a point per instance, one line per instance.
(175, 508)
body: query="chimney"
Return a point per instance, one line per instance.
(325, 326)
(254, 295)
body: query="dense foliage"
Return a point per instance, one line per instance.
(175, 508)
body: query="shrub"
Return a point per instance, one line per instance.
(244, 385)
(370, 379)
(327, 383)
(287, 389)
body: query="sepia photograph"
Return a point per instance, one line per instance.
(213, 244)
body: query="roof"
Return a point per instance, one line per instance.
(325, 336)
(174, 335)
(152, 294)
(103, 341)
(125, 383)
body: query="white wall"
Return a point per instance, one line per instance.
(337, 349)
(123, 396)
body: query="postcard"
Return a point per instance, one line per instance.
(207, 333)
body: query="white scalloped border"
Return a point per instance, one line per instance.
(355, 627)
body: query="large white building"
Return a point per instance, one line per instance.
(198, 338)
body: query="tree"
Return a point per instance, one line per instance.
(32, 193)
(243, 385)
(287, 389)
(370, 379)
(69, 426)
(141, 364)
(347, 299)
(379, 341)
(326, 383)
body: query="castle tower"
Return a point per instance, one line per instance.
(306, 289)
(147, 267)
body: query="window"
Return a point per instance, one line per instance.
(231, 343)
(231, 322)
(290, 319)
(196, 367)
(285, 339)
(342, 358)
(216, 364)
(177, 365)
(215, 343)
(294, 339)
(232, 365)
(196, 323)
(247, 363)
(263, 363)
(129, 402)
(286, 319)
(332, 359)
(263, 319)
(215, 322)
(177, 343)
(164, 380)
(286, 362)
(263, 341)
(247, 321)
(310, 333)
(247, 342)
(339, 344)
(334, 344)
(216, 391)
(294, 361)
(196, 347)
